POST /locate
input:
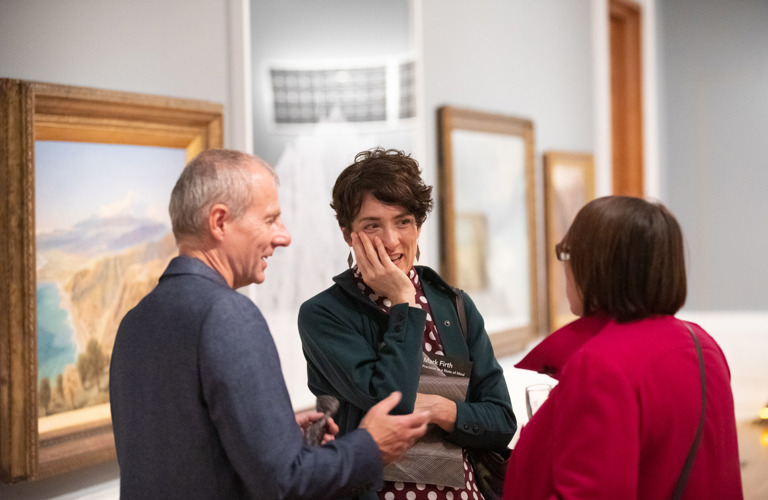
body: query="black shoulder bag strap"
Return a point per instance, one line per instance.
(681, 482)
(458, 304)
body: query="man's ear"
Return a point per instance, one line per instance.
(218, 218)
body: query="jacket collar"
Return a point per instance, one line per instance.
(428, 276)
(552, 353)
(436, 290)
(184, 264)
(346, 279)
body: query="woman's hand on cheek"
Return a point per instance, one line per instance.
(378, 271)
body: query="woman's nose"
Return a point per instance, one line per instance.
(388, 237)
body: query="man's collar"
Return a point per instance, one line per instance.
(185, 264)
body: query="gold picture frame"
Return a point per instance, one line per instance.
(30, 112)
(569, 183)
(486, 190)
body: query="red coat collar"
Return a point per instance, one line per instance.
(552, 353)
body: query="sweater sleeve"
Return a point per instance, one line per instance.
(353, 360)
(251, 410)
(485, 419)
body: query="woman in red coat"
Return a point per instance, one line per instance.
(625, 413)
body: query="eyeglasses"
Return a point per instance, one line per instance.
(562, 253)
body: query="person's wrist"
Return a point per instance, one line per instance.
(446, 415)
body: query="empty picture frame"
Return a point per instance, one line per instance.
(32, 112)
(488, 220)
(568, 185)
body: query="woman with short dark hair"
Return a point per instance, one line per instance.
(625, 414)
(387, 325)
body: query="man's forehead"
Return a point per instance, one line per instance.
(262, 179)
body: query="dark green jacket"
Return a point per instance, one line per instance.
(359, 354)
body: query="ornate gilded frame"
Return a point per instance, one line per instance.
(31, 111)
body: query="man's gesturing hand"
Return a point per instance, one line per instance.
(393, 434)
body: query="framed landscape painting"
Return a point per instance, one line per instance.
(568, 185)
(89, 174)
(488, 220)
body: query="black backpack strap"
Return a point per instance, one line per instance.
(458, 303)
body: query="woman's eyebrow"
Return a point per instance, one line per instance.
(368, 219)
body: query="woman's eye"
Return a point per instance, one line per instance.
(406, 222)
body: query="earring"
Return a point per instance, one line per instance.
(350, 260)
(418, 252)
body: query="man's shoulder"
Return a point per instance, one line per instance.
(193, 293)
(188, 267)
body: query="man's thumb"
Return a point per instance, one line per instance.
(387, 404)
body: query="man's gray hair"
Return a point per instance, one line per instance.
(213, 176)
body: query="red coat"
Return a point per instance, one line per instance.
(622, 418)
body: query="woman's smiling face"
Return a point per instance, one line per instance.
(394, 225)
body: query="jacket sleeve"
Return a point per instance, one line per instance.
(353, 360)
(249, 405)
(485, 419)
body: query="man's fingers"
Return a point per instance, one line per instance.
(418, 423)
(331, 427)
(306, 418)
(387, 404)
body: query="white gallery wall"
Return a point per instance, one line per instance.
(540, 60)
(715, 153)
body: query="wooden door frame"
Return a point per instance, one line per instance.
(625, 39)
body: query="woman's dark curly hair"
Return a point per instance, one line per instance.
(392, 176)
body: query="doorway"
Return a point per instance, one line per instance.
(625, 18)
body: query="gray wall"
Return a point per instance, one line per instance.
(714, 109)
(529, 59)
(175, 48)
(526, 58)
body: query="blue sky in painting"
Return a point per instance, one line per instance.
(77, 181)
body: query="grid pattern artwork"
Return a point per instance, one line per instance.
(312, 96)
(408, 90)
(373, 93)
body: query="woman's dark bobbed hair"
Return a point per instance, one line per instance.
(391, 176)
(627, 258)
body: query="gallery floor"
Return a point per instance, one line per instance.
(753, 451)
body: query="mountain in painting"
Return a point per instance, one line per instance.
(99, 235)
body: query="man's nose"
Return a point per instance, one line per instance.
(282, 237)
